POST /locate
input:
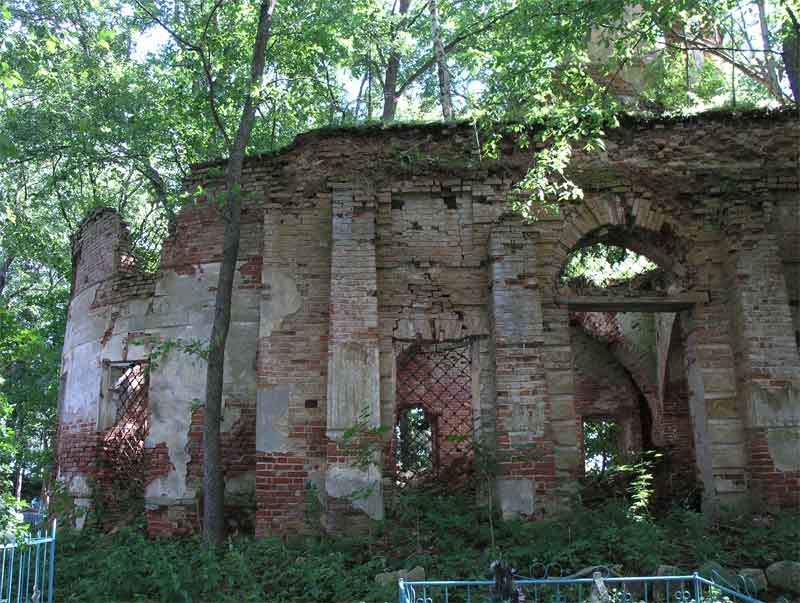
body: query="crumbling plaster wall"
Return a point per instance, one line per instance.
(356, 242)
(98, 322)
(120, 314)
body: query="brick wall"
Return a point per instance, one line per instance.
(106, 280)
(428, 257)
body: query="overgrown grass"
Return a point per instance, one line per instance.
(448, 535)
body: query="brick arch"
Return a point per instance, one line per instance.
(664, 248)
(644, 230)
(639, 227)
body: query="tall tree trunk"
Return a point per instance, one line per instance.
(390, 88)
(213, 485)
(791, 54)
(5, 272)
(18, 488)
(390, 93)
(19, 424)
(445, 97)
(772, 71)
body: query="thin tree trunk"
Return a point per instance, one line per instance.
(390, 93)
(5, 272)
(213, 485)
(359, 97)
(791, 55)
(471, 31)
(772, 72)
(18, 487)
(445, 97)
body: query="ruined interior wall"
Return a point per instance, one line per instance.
(677, 476)
(604, 390)
(632, 340)
(633, 190)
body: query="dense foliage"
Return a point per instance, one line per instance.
(102, 104)
(448, 535)
(603, 265)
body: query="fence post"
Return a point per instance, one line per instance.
(52, 563)
(599, 590)
(402, 591)
(696, 581)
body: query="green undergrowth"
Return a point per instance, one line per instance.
(448, 535)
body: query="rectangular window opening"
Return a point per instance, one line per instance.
(601, 446)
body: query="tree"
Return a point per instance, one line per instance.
(213, 485)
(213, 517)
(445, 96)
(791, 52)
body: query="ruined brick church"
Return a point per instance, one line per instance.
(384, 281)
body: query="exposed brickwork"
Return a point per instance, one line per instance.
(158, 463)
(97, 248)
(358, 243)
(174, 520)
(775, 488)
(77, 449)
(123, 287)
(237, 444)
(281, 490)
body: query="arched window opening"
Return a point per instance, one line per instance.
(604, 266)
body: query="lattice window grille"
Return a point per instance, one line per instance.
(436, 379)
(123, 444)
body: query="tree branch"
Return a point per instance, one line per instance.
(464, 35)
(146, 169)
(199, 51)
(699, 44)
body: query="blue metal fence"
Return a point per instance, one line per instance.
(27, 568)
(653, 589)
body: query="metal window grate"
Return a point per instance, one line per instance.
(433, 430)
(123, 444)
